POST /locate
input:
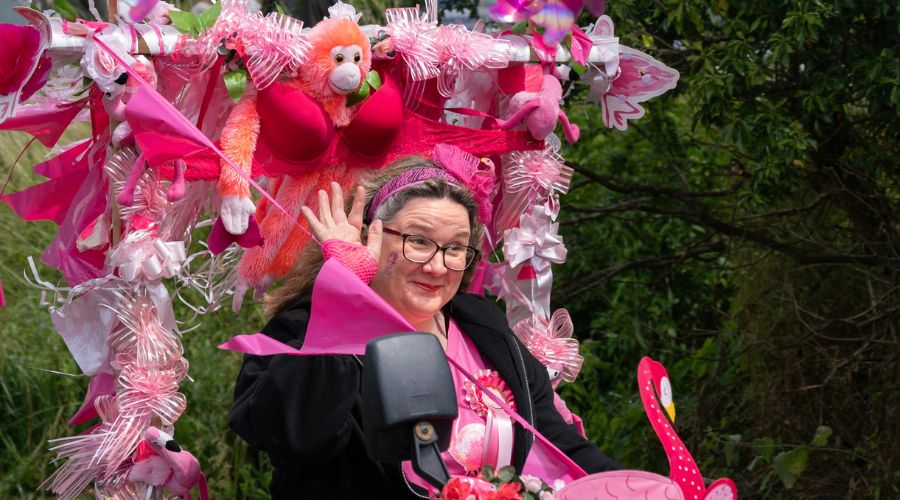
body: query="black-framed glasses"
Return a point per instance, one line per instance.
(420, 249)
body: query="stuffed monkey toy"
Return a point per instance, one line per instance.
(339, 61)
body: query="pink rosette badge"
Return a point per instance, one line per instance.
(479, 402)
(498, 432)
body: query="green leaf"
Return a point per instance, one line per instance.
(790, 464)
(823, 432)
(65, 9)
(236, 83)
(279, 8)
(647, 40)
(507, 474)
(208, 18)
(184, 22)
(487, 473)
(374, 79)
(765, 447)
(520, 28)
(360, 95)
(731, 449)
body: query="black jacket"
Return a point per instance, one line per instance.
(305, 410)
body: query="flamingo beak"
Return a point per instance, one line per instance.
(172, 445)
(670, 410)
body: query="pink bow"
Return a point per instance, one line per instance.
(144, 390)
(463, 51)
(411, 35)
(270, 43)
(529, 177)
(551, 342)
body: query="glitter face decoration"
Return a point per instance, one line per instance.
(392, 261)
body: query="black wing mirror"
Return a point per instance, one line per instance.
(408, 402)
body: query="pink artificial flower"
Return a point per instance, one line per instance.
(19, 47)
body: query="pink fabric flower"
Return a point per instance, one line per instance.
(19, 47)
(102, 67)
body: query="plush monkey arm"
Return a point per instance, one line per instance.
(238, 142)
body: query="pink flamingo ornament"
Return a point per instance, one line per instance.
(540, 110)
(656, 391)
(685, 481)
(172, 467)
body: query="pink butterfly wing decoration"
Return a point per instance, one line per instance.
(556, 18)
(641, 77)
(513, 11)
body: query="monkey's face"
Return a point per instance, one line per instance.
(346, 76)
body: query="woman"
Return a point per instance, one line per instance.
(418, 253)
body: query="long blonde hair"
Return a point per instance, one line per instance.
(298, 283)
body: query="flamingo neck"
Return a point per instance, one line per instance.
(683, 470)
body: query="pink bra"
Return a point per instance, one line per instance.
(298, 136)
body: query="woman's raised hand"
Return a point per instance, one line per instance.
(333, 223)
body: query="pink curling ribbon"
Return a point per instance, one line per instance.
(463, 51)
(551, 342)
(412, 35)
(145, 390)
(537, 241)
(529, 177)
(268, 44)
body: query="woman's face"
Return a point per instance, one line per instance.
(419, 291)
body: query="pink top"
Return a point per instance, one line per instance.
(467, 441)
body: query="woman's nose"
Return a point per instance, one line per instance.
(436, 264)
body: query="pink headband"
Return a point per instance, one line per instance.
(454, 166)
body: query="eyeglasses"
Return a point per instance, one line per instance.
(419, 249)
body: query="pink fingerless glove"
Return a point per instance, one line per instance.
(353, 256)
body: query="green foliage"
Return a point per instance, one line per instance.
(744, 234)
(191, 24)
(236, 83)
(65, 9)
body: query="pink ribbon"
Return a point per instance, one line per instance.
(463, 51)
(529, 178)
(412, 35)
(551, 342)
(536, 241)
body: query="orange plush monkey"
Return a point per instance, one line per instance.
(286, 130)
